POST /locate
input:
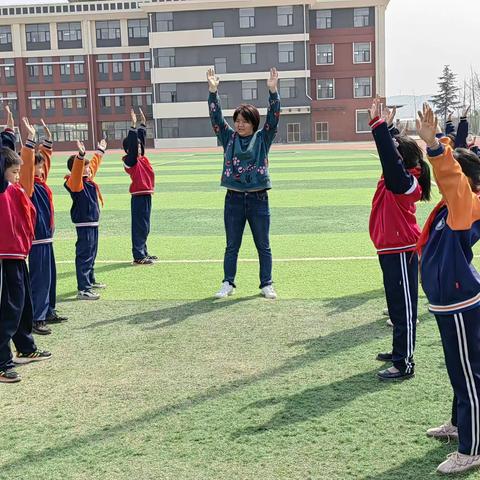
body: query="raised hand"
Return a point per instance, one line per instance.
(272, 82)
(48, 133)
(103, 144)
(466, 111)
(81, 148)
(449, 118)
(427, 126)
(10, 122)
(389, 115)
(375, 111)
(213, 80)
(30, 128)
(143, 119)
(133, 118)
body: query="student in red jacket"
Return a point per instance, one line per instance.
(17, 218)
(394, 231)
(142, 188)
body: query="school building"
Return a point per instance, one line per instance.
(82, 65)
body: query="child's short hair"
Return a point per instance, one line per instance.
(125, 146)
(470, 164)
(70, 161)
(10, 157)
(249, 113)
(39, 158)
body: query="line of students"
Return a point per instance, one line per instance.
(443, 253)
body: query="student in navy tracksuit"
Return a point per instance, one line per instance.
(458, 137)
(394, 231)
(142, 188)
(85, 214)
(17, 220)
(41, 260)
(452, 286)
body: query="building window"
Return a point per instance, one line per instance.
(5, 35)
(47, 68)
(38, 33)
(148, 97)
(361, 17)
(33, 70)
(249, 90)
(325, 88)
(138, 28)
(117, 67)
(78, 68)
(165, 57)
(287, 88)
(218, 29)
(35, 102)
(164, 22)
(65, 66)
(220, 65)
(119, 97)
(167, 92)
(105, 98)
(135, 66)
(12, 101)
(102, 66)
(285, 16)
(248, 54)
(321, 131)
(286, 52)
(247, 18)
(69, 32)
(67, 100)
(81, 101)
(137, 100)
(293, 133)
(109, 30)
(362, 52)
(69, 132)
(362, 121)
(362, 87)
(49, 102)
(9, 68)
(324, 19)
(325, 54)
(169, 128)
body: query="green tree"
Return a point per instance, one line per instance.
(447, 98)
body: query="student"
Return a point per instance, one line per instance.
(17, 217)
(452, 285)
(394, 232)
(85, 214)
(246, 177)
(41, 260)
(142, 188)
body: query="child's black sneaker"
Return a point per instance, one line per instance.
(385, 357)
(40, 328)
(54, 317)
(9, 376)
(152, 257)
(395, 374)
(143, 261)
(87, 295)
(36, 356)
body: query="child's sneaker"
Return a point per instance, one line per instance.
(385, 312)
(447, 430)
(87, 295)
(225, 290)
(269, 292)
(152, 257)
(40, 328)
(143, 261)
(457, 462)
(54, 317)
(99, 285)
(9, 376)
(36, 356)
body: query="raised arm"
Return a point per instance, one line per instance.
(397, 179)
(449, 126)
(142, 131)
(220, 126)
(393, 130)
(130, 159)
(96, 160)
(7, 137)
(27, 154)
(462, 130)
(75, 181)
(46, 149)
(273, 113)
(463, 204)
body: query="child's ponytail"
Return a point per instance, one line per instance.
(425, 179)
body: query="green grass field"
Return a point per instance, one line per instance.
(159, 381)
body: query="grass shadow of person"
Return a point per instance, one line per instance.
(346, 303)
(98, 269)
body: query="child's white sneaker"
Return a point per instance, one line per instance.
(269, 292)
(457, 462)
(225, 290)
(87, 295)
(447, 430)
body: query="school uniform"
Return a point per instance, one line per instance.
(85, 215)
(141, 189)
(452, 286)
(246, 177)
(41, 260)
(17, 218)
(394, 232)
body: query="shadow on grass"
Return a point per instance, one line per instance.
(317, 348)
(166, 317)
(101, 269)
(349, 302)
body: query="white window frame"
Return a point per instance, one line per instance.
(328, 27)
(371, 88)
(299, 132)
(353, 53)
(327, 98)
(360, 110)
(316, 133)
(316, 53)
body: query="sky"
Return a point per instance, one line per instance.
(420, 39)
